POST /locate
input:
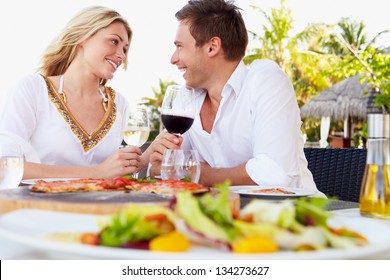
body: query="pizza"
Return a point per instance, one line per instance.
(167, 187)
(272, 191)
(123, 183)
(75, 185)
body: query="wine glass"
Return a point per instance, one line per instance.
(180, 164)
(136, 129)
(178, 109)
(11, 163)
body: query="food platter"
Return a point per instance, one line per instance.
(266, 192)
(30, 227)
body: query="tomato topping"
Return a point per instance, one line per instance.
(89, 238)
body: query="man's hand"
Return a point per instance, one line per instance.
(162, 142)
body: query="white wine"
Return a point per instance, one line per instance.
(135, 137)
(375, 192)
(11, 171)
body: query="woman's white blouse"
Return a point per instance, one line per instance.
(36, 116)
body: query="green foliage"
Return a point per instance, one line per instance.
(311, 128)
(320, 56)
(350, 32)
(380, 64)
(357, 56)
(374, 67)
(308, 67)
(154, 105)
(280, 23)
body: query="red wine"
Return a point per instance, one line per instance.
(176, 124)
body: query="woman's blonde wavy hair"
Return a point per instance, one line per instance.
(61, 52)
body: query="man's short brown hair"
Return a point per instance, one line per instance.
(210, 18)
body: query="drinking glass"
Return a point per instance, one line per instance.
(136, 129)
(11, 163)
(178, 109)
(180, 164)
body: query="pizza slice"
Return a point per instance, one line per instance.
(167, 187)
(82, 185)
(123, 183)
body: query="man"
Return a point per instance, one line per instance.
(247, 128)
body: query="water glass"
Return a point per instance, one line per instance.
(180, 164)
(11, 164)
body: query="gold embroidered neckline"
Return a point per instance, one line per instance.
(87, 140)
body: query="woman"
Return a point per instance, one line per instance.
(66, 113)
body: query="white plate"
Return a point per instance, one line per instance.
(248, 191)
(33, 181)
(29, 227)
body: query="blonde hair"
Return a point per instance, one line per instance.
(61, 52)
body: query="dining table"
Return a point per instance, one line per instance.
(13, 250)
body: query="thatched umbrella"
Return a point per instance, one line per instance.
(346, 99)
(343, 101)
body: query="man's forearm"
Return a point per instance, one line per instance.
(236, 175)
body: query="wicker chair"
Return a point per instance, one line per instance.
(337, 172)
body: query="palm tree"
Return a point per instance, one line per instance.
(318, 56)
(350, 32)
(273, 42)
(358, 56)
(299, 56)
(350, 35)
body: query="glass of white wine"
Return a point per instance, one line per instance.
(11, 162)
(136, 129)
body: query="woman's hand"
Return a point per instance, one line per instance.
(156, 150)
(124, 161)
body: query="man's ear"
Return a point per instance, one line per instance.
(215, 45)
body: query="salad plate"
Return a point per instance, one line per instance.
(267, 192)
(31, 228)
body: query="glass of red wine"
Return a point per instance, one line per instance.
(178, 109)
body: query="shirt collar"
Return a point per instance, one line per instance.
(237, 78)
(235, 81)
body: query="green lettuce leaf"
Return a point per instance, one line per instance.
(188, 207)
(129, 225)
(312, 211)
(217, 208)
